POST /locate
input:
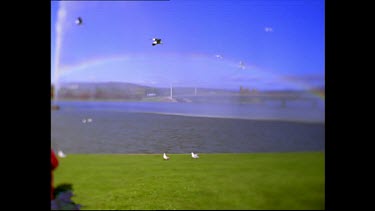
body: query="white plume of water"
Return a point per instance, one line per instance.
(61, 19)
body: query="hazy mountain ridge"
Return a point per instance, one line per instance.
(131, 91)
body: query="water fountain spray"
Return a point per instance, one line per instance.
(61, 19)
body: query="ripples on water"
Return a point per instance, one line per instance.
(128, 129)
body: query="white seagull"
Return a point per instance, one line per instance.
(61, 154)
(165, 157)
(194, 155)
(218, 56)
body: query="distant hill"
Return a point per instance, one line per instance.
(109, 90)
(136, 92)
(125, 91)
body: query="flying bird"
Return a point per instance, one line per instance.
(218, 56)
(61, 154)
(156, 41)
(268, 29)
(79, 21)
(194, 155)
(165, 157)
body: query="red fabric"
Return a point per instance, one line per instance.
(54, 164)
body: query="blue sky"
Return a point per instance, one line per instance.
(280, 43)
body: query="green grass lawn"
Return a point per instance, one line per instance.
(214, 181)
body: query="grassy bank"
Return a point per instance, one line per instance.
(214, 181)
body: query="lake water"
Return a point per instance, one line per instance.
(146, 127)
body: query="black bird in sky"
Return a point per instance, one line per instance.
(79, 21)
(156, 41)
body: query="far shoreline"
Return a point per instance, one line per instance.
(233, 117)
(264, 119)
